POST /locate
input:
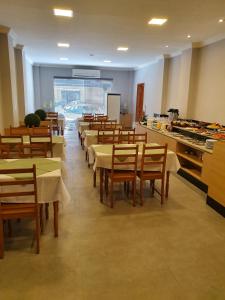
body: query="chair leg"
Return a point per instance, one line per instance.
(141, 191)
(162, 191)
(106, 183)
(56, 218)
(152, 187)
(134, 192)
(1, 239)
(46, 211)
(94, 179)
(167, 183)
(41, 218)
(111, 194)
(37, 233)
(101, 184)
(9, 223)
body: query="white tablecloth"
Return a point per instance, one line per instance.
(50, 184)
(101, 157)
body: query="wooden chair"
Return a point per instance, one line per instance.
(102, 118)
(123, 136)
(153, 166)
(88, 118)
(11, 145)
(21, 130)
(107, 138)
(43, 142)
(46, 123)
(137, 138)
(40, 131)
(124, 169)
(9, 211)
(52, 114)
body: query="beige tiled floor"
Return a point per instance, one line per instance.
(173, 252)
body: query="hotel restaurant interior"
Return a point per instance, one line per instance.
(112, 150)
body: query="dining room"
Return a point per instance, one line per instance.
(112, 150)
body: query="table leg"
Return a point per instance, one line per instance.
(94, 178)
(101, 184)
(56, 213)
(167, 183)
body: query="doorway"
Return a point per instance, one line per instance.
(139, 101)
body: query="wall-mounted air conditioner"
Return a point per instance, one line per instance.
(84, 73)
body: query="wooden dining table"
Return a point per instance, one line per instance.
(101, 158)
(50, 185)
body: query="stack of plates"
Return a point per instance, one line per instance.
(210, 143)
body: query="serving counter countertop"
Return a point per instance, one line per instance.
(179, 138)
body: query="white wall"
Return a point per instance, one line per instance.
(44, 83)
(152, 77)
(28, 86)
(209, 104)
(179, 72)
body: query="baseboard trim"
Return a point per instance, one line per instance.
(216, 206)
(203, 187)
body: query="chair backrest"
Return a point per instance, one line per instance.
(107, 137)
(42, 143)
(39, 131)
(140, 138)
(21, 130)
(22, 178)
(52, 114)
(154, 158)
(87, 114)
(46, 123)
(95, 126)
(124, 157)
(96, 115)
(10, 145)
(102, 118)
(123, 136)
(88, 118)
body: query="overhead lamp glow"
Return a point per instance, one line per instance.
(64, 58)
(63, 12)
(107, 61)
(188, 36)
(122, 49)
(63, 45)
(166, 46)
(156, 21)
(221, 20)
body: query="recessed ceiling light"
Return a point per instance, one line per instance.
(188, 36)
(107, 61)
(63, 12)
(64, 45)
(167, 46)
(221, 20)
(64, 58)
(156, 21)
(122, 48)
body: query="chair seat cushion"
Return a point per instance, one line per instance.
(121, 175)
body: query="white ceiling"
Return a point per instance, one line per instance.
(99, 27)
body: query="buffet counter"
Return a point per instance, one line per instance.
(201, 166)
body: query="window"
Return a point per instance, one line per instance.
(75, 96)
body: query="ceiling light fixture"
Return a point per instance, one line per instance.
(63, 45)
(64, 58)
(107, 61)
(188, 36)
(221, 20)
(63, 12)
(122, 48)
(167, 46)
(156, 21)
